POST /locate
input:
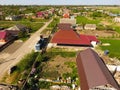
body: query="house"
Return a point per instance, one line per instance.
(4, 37)
(116, 19)
(66, 15)
(1, 13)
(68, 20)
(79, 27)
(65, 26)
(72, 38)
(90, 27)
(18, 28)
(93, 73)
(113, 15)
(40, 14)
(29, 15)
(13, 18)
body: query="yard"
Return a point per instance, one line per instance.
(84, 20)
(33, 25)
(113, 47)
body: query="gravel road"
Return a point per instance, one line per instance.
(27, 47)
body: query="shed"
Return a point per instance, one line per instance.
(90, 27)
(93, 71)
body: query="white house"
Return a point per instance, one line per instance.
(90, 27)
(116, 19)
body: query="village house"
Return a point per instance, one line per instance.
(13, 18)
(1, 13)
(28, 15)
(72, 38)
(42, 14)
(116, 19)
(90, 27)
(68, 20)
(79, 27)
(66, 15)
(4, 37)
(18, 28)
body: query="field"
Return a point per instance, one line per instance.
(84, 20)
(33, 25)
(114, 47)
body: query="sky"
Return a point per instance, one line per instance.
(59, 2)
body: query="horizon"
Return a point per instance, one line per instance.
(60, 2)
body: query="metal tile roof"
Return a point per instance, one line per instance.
(93, 71)
(72, 37)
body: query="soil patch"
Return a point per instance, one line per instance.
(58, 64)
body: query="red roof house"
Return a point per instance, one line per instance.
(40, 14)
(66, 15)
(4, 36)
(70, 37)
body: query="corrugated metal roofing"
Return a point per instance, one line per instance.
(3, 34)
(64, 26)
(71, 37)
(93, 71)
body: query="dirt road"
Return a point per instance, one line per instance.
(27, 47)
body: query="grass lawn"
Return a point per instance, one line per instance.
(84, 20)
(117, 29)
(33, 25)
(53, 23)
(114, 47)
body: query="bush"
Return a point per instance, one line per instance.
(44, 85)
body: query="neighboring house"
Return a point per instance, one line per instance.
(116, 19)
(65, 26)
(29, 15)
(90, 27)
(4, 36)
(113, 15)
(67, 20)
(17, 28)
(72, 38)
(40, 14)
(1, 13)
(66, 15)
(13, 18)
(79, 27)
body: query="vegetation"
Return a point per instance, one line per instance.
(74, 73)
(114, 47)
(98, 14)
(57, 51)
(51, 27)
(83, 20)
(33, 25)
(53, 23)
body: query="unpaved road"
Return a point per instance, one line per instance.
(27, 47)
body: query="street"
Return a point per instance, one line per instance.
(27, 47)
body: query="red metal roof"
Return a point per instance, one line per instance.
(93, 71)
(65, 26)
(3, 34)
(92, 38)
(66, 15)
(71, 37)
